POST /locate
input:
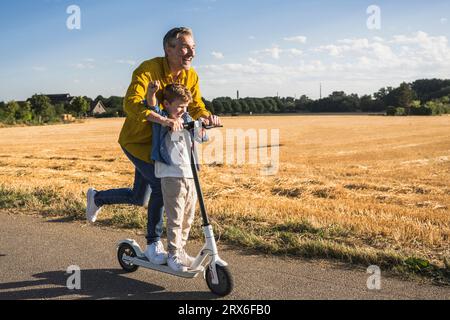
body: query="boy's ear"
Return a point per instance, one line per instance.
(166, 104)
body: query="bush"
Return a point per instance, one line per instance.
(400, 111)
(391, 111)
(421, 111)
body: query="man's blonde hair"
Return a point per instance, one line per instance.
(176, 91)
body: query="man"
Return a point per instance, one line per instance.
(136, 135)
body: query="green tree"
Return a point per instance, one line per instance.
(42, 107)
(405, 95)
(237, 107)
(278, 105)
(302, 104)
(2, 110)
(24, 113)
(60, 109)
(427, 89)
(251, 105)
(79, 106)
(245, 107)
(114, 103)
(48, 114)
(218, 106)
(227, 107)
(270, 105)
(11, 109)
(209, 106)
(365, 103)
(259, 105)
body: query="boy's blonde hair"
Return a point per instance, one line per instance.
(176, 91)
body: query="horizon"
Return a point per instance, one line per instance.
(235, 98)
(286, 49)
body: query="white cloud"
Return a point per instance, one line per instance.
(294, 52)
(378, 39)
(251, 37)
(39, 68)
(217, 55)
(129, 62)
(333, 50)
(83, 65)
(299, 39)
(354, 65)
(429, 49)
(275, 52)
(443, 20)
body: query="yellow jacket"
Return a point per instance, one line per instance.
(136, 133)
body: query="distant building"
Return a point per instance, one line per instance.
(97, 108)
(64, 98)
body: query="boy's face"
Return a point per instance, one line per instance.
(176, 108)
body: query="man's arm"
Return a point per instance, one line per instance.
(135, 107)
(197, 109)
(133, 103)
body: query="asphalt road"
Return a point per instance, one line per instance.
(35, 253)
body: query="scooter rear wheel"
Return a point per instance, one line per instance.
(126, 250)
(226, 282)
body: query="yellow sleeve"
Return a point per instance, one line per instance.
(132, 104)
(197, 108)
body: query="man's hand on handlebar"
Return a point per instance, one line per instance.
(212, 120)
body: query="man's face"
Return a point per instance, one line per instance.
(180, 56)
(176, 108)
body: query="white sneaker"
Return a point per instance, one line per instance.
(185, 258)
(175, 263)
(92, 210)
(155, 253)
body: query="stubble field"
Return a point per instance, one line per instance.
(360, 189)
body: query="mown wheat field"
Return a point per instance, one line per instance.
(356, 188)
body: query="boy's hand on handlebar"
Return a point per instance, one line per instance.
(175, 124)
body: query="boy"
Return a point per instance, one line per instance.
(171, 153)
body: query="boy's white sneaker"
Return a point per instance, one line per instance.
(175, 263)
(92, 210)
(185, 258)
(155, 253)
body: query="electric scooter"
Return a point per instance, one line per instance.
(215, 270)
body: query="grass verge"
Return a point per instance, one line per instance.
(291, 238)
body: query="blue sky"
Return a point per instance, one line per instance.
(260, 47)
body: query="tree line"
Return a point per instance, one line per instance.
(39, 109)
(421, 97)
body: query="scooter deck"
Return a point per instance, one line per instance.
(143, 262)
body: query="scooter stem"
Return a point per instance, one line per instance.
(198, 188)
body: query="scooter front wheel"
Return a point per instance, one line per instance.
(126, 250)
(226, 282)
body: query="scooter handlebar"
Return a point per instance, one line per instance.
(191, 125)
